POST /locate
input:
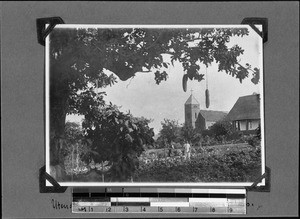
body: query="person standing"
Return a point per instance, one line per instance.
(171, 150)
(187, 150)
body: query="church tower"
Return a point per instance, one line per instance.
(191, 111)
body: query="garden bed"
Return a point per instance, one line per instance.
(234, 163)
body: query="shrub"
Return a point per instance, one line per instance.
(207, 132)
(221, 128)
(253, 141)
(236, 135)
(177, 145)
(161, 154)
(211, 165)
(150, 146)
(177, 152)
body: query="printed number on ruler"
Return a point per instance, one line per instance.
(177, 209)
(84, 209)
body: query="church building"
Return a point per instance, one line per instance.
(191, 111)
(200, 119)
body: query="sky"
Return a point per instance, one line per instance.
(143, 97)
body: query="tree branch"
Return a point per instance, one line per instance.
(148, 47)
(245, 67)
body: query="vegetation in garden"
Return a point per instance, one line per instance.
(239, 163)
(234, 161)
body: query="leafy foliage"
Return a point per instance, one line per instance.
(75, 146)
(79, 56)
(173, 133)
(170, 131)
(190, 134)
(254, 140)
(73, 132)
(118, 138)
(222, 128)
(207, 165)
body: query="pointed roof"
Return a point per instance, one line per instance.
(191, 100)
(246, 107)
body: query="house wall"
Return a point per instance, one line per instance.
(253, 124)
(209, 124)
(243, 125)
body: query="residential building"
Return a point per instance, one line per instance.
(245, 114)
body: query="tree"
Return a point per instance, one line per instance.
(188, 133)
(73, 134)
(117, 137)
(170, 131)
(221, 128)
(80, 56)
(76, 147)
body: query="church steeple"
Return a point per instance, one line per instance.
(191, 110)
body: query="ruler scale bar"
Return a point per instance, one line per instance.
(159, 200)
(215, 195)
(130, 203)
(163, 209)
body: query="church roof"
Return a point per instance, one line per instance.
(191, 100)
(246, 107)
(213, 116)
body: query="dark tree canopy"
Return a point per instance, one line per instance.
(84, 53)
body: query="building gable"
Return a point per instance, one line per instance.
(206, 118)
(245, 108)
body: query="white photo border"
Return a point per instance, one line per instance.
(167, 184)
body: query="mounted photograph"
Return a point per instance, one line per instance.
(154, 105)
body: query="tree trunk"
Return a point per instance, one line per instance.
(57, 128)
(59, 94)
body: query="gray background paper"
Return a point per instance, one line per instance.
(22, 69)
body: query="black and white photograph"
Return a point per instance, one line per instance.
(154, 105)
(149, 109)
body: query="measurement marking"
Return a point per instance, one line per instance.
(195, 201)
(159, 209)
(170, 204)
